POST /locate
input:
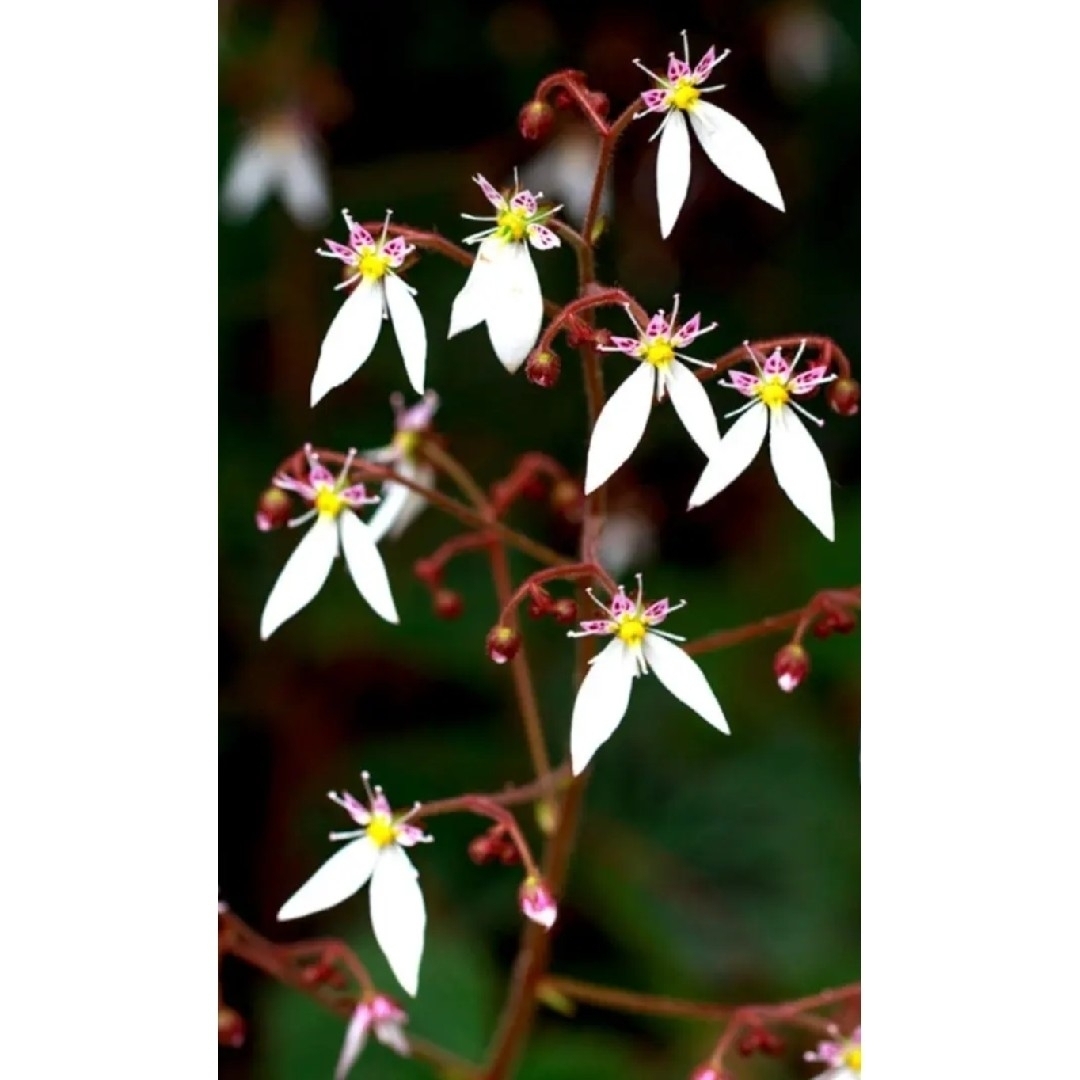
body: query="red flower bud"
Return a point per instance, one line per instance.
(273, 510)
(771, 1044)
(751, 1042)
(447, 603)
(231, 1028)
(844, 397)
(503, 644)
(535, 119)
(790, 666)
(565, 611)
(599, 101)
(567, 499)
(428, 572)
(537, 903)
(542, 369)
(834, 622)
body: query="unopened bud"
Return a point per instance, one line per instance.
(448, 604)
(322, 974)
(834, 622)
(537, 903)
(599, 101)
(540, 602)
(567, 499)
(535, 119)
(273, 509)
(751, 1042)
(542, 369)
(844, 397)
(771, 1044)
(231, 1028)
(790, 666)
(565, 611)
(503, 644)
(428, 572)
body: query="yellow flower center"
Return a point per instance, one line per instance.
(329, 502)
(773, 392)
(659, 353)
(853, 1058)
(407, 442)
(513, 224)
(381, 831)
(631, 629)
(685, 94)
(373, 265)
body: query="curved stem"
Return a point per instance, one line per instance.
(607, 152)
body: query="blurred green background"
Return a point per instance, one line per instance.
(707, 867)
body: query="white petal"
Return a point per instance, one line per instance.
(423, 474)
(517, 309)
(692, 404)
(302, 576)
(249, 178)
(304, 188)
(342, 875)
(619, 426)
(397, 915)
(684, 679)
(672, 170)
(366, 566)
(355, 1038)
(408, 328)
(393, 496)
(735, 152)
(601, 702)
(470, 306)
(390, 1034)
(350, 339)
(737, 449)
(800, 469)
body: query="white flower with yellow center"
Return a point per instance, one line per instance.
(636, 647)
(843, 1056)
(621, 422)
(376, 852)
(378, 291)
(728, 142)
(502, 288)
(336, 529)
(798, 464)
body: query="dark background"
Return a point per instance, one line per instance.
(710, 867)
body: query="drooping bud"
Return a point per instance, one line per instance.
(428, 572)
(542, 369)
(493, 845)
(503, 644)
(535, 119)
(540, 602)
(843, 396)
(565, 611)
(273, 510)
(790, 666)
(447, 603)
(751, 1042)
(230, 1027)
(537, 903)
(568, 499)
(771, 1044)
(834, 622)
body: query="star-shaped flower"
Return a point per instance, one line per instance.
(376, 1014)
(797, 462)
(636, 646)
(376, 851)
(352, 335)
(728, 142)
(621, 422)
(843, 1056)
(502, 288)
(336, 529)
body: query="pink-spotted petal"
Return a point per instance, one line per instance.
(628, 345)
(396, 250)
(775, 364)
(303, 575)
(676, 68)
(366, 566)
(524, 200)
(410, 835)
(619, 427)
(800, 469)
(542, 238)
(672, 170)
(808, 380)
(598, 626)
(409, 329)
(691, 402)
(320, 476)
(687, 332)
(359, 237)
(621, 604)
(341, 251)
(341, 876)
(705, 65)
(352, 806)
(744, 382)
(490, 193)
(683, 679)
(737, 449)
(654, 100)
(657, 326)
(601, 702)
(657, 612)
(357, 496)
(350, 339)
(398, 917)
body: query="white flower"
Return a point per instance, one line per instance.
(797, 462)
(352, 335)
(400, 505)
(378, 1014)
(566, 168)
(376, 851)
(336, 529)
(280, 153)
(502, 288)
(728, 142)
(843, 1056)
(636, 646)
(621, 422)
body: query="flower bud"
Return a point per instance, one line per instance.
(537, 903)
(834, 622)
(565, 611)
(599, 101)
(231, 1028)
(428, 572)
(447, 603)
(771, 1044)
(503, 644)
(844, 397)
(567, 499)
(273, 510)
(542, 369)
(751, 1042)
(535, 119)
(790, 666)
(540, 602)
(322, 973)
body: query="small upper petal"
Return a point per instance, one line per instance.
(672, 170)
(684, 679)
(350, 338)
(342, 875)
(366, 566)
(619, 426)
(517, 310)
(398, 918)
(800, 469)
(737, 449)
(601, 702)
(408, 329)
(692, 404)
(735, 152)
(302, 576)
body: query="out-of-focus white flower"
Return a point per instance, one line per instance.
(279, 154)
(377, 1014)
(377, 852)
(798, 464)
(627, 538)
(336, 529)
(843, 1056)
(566, 168)
(502, 288)
(729, 144)
(804, 45)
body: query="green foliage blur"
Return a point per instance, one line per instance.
(707, 867)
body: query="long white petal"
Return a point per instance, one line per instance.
(366, 566)
(619, 426)
(800, 469)
(302, 576)
(393, 496)
(601, 702)
(737, 449)
(250, 176)
(672, 170)
(692, 404)
(342, 875)
(355, 1038)
(684, 679)
(304, 187)
(350, 339)
(408, 328)
(397, 915)
(390, 1034)
(423, 474)
(735, 152)
(471, 305)
(517, 310)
